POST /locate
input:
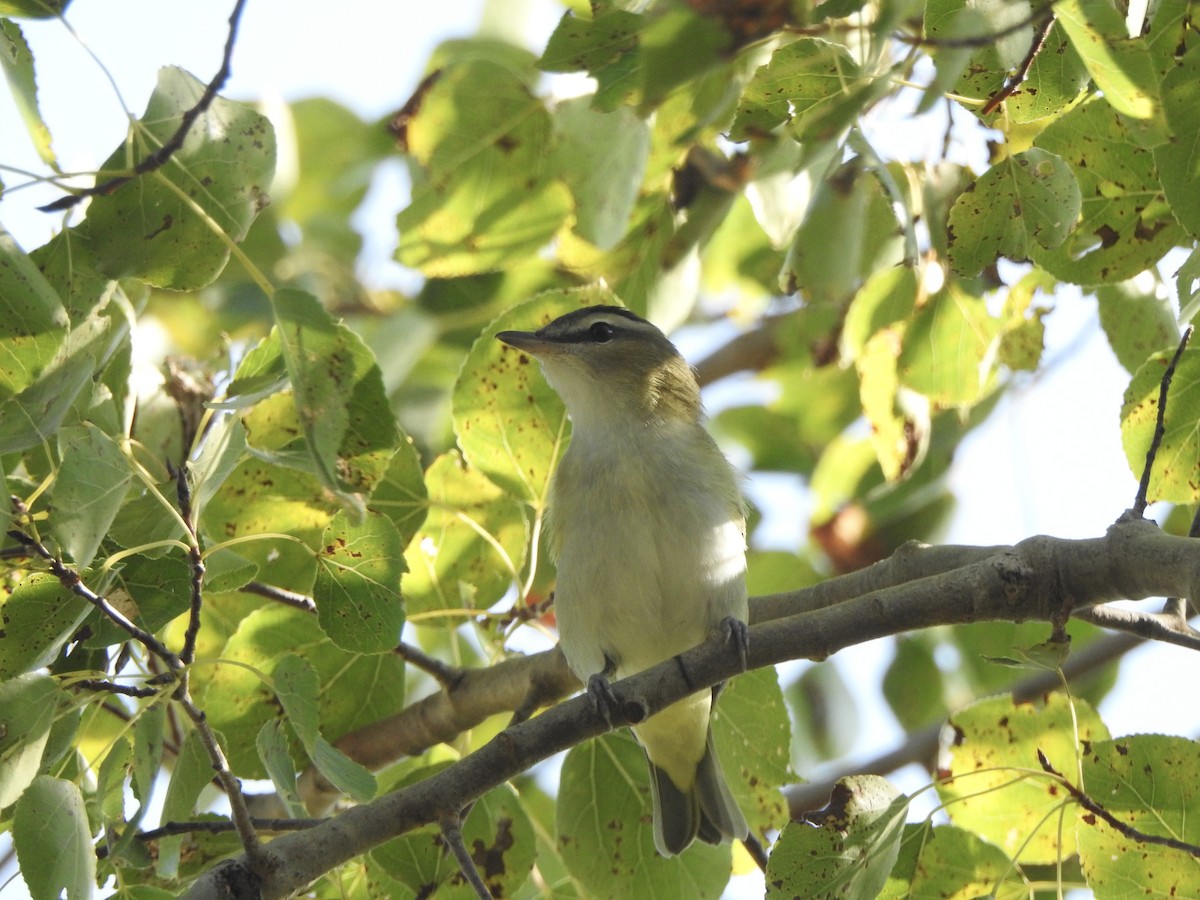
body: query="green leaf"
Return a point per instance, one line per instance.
(994, 751)
(34, 9)
(677, 45)
(825, 716)
(354, 690)
(276, 758)
(350, 431)
(27, 708)
(1120, 65)
(225, 570)
(17, 62)
(799, 84)
(88, 491)
(509, 422)
(944, 349)
(885, 301)
(913, 685)
(34, 324)
(36, 620)
(751, 731)
(191, 774)
(1149, 783)
(357, 590)
(260, 501)
(945, 861)
(850, 853)
(1178, 159)
(1029, 198)
(606, 833)
(297, 687)
(1126, 224)
(1136, 321)
(605, 46)
(988, 64)
(470, 549)
(849, 233)
(148, 736)
(151, 591)
(602, 157)
(401, 495)
(492, 198)
(146, 229)
(53, 841)
(223, 447)
(1173, 477)
(35, 414)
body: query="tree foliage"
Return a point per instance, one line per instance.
(211, 557)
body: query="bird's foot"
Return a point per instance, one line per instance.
(737, 633)
(601, 694)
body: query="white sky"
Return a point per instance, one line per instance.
(1050, 460)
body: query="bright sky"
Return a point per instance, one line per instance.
(1049, 462)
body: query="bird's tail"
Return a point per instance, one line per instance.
(706, 810)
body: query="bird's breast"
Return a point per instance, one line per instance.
(650, 553)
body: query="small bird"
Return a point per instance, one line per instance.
(647, 529)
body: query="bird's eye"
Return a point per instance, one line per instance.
(601, 332)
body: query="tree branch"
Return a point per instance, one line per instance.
(159, 157)
(1033, 580)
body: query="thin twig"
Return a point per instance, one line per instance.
(70, 579)
(1164, 627)
(1160, 425)
(757, 851)
(977, 40)
(1017, 78)
(222, 826)
(109, 687)
(1096, 809)
(195, 561)
(281, 595)
(447, 676)
(451, 825)
(159, 157)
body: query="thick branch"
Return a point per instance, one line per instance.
(1034, 580)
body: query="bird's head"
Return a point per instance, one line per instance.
(610, 365)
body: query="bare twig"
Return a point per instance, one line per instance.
(195, 561)
(70, 579)
(1097, 810)
(178, 672)
(1165, 626)
(1160, 425)
(109, 687)
(159, 157)
(1017, 78)
(446, 675)
(451, 825)
(222, 826)
(281, 595)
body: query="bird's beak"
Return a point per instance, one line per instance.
(529, 342)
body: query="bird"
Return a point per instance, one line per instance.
(647, 529)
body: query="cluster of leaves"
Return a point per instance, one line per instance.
(382, 457)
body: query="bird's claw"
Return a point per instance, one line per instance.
(737, 632)
(601, 694)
